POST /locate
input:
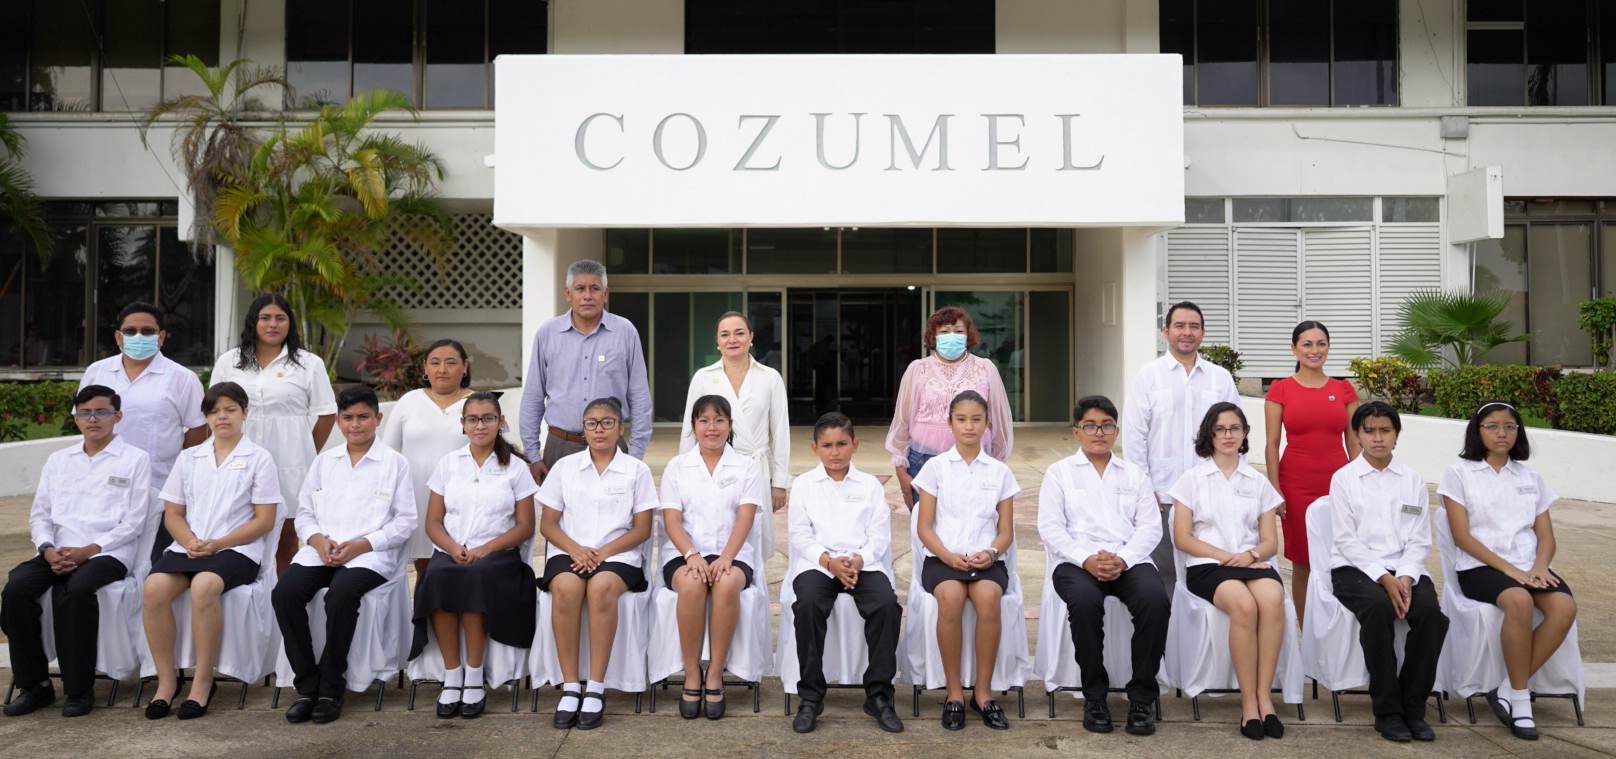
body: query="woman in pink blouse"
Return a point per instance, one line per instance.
(920, 422)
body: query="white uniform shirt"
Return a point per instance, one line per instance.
(597, 509)
(1380, 519)
(1503, 506)
(373, 500)
(424, 433)
(1081, 513)
(968, 496)
(843, 519)
(709, 502)
(479, 502)
(159, 407)
(1225, 508)
(1162, 413)
(103, 499)
(219, 498)
(761, 423)
(281, 398)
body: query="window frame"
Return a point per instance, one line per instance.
(1596, 63)
(1602, 215)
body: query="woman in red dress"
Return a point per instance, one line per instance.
(1312, 410)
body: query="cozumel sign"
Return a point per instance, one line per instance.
(1048, 140)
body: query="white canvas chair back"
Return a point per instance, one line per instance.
(502, 664)
(626, 670)
(751, 654)
(1056, 659)
(845, 654)
(381, 641)
(1331, 651)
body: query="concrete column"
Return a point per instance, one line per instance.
(541, 288)
(228, 303)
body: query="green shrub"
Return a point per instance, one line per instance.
(1226, 357)
(1587, 402)
(1460, 391)
(1597, 317)
(24, 404)
(1390, 379)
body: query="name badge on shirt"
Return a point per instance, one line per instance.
(236, 465)
(852, 498)
(1413, 509)
(1246, 492)
(1332, 397)
(118, 482)
(727, 481)
(985, 485)
(1124, 490)
(382, 493)
(496, 470)
(614, 489)
(1526, 490)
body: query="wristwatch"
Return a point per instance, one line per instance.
(44, 546)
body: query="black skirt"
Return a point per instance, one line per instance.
(672, 567)
(1485, 583)
(235, 569)
(499, 586)
(561, 564)
(934, 572)
(1203, 579)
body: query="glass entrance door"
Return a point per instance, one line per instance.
(848, 349)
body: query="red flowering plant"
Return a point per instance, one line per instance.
(395, 364)
(25, 405)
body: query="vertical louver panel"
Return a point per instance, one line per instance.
(1338, 289)
(1267, 301)
(1198, 269)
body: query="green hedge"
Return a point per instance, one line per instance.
(23, 404)
(1578, 402)
(1587, 402)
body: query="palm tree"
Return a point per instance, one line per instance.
(20, 210)
(1437, 323)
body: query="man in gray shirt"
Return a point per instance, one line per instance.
(579, 356)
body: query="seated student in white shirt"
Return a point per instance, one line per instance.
(598, 505)
(354, 515)
(1381, 520)
(1498, 510)
(479, 513)
(91, 506)
(1099, 520)
(1224, 520)
(841, 542)
(221, 498)
(965, 522)
(710, 497)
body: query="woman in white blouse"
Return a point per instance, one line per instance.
(757, 396)
(1498, 511)
(425, 426)
(710, 499)
(1224, 520)
(286, 386)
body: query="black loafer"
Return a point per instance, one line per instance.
(885, 716)
(327, 710)
(156, 709)
(807, 716)
(78, 706)
(1141, 721)
(1420, 729)
(1252, 728)
(193, 710)
(567, 719)
(473, 710)
(715, 709)
(1096, 715)
(591, 720)
(953, 716)
(31, 699)
(1272, 727)
(1393, 728)
(992, 714)
(300, 711)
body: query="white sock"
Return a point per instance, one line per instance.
(1520, 705)
(570, 693)
(592, 704)
(474, 685)
(451, 686)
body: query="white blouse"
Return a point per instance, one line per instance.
(842, 519)
(1380, 519)
(373, 500)
(709, 503)
(219, 497)
(1226, 509)
(424, 433)
(479, 502)
(103, 499)
(968, 496)
(1503, 507)
(1081, 513)
(597, 509)
(761, 423)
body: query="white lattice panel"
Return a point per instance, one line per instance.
(483, 271)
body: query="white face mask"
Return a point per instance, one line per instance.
(951, 345)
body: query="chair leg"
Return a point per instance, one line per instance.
(917, 701)
(275, 700)
(1335, 700)
(516, 693)
(1158, 708)
(410, 705)
(1471, 707)
(1051, 695)
(788, 704)
(1576, 703)
(113, 698)
(1021, 703)
(637, 698)
(1301, 714)
(757, 696)
(535, 708)
(140, 690)
(381, 690)
(401, 679)
(241, 700)
(1195, 707)
(1316, 691)
(1441, 707)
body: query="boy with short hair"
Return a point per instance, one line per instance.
(93, 501)
(841, 542)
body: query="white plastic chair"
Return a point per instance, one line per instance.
(626, 672)
(503, 666)
(751, 654)
(1472, 660)
(1331, 652)
(381, 641)
(1198, 659)
(1055, 662)
(845, 654)
(923, 664)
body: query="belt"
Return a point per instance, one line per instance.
(571, 437)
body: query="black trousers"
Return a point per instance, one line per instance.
(346, 588)
(877, 603)
(1140, 589)
(1392, 692)
(77, 622)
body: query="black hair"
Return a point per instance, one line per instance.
(835, 420)
(465, 379)
(1204, 436)
(221, 391)
(1376, 410)
(1475, 450)
(1184, 304)
(356, 395)
(716, 403)
(730, 314)
(503, 450)
(86, 393)
(1088, 402)
(610, 402)
(1296, 335)
(141, 307)
(247, 351)
(970, 396)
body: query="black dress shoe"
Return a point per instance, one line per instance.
(192, 710)
(953, 715)
(300, 711)
(566, 719)
(715, 709)
(1096, 715)
(1252, 728)
(1141, 721)
(1272, 727)
(449, 710)
(881, 709)
(30, 699)
(807, 716)
(1501, 708)
(1393, 728)
(78, 706)
(327, 710)
(992, 714)
(473, 709)
(690, 709)
(591, 720)
(156, 709)
(1420, 729)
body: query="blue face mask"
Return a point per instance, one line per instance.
(140, 347)
(951, 345)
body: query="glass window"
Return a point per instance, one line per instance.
(1203, 210)
(516, 27)
(192, 29)
(635, 307)
(969, 251)
(15, 22)
(1560, 268)
(768, 326)
(383, 47)
(1051, 250)
(1298, 52)
(1495, 10)
(791, 251)
(1226, 52)
(53, 311)
(999, 319)
(185, 291)
(885, 250)
(1607, 260)
(1365, 42)
(685, 342)
(840, 26)
(628, 251)
(133, 43)
(1493, 66)
(60, 63)
(1261, 210)
(126, 271)
(1050, 350)
(1558, 207)
(1501, 265)
(1557, 54)
(1177, 23)
(1607, 47)
(1399, 210)
(14, 340)
(317, 51)
(696, 251)
(455, 54)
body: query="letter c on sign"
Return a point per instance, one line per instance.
(578, 141)
(701, 141)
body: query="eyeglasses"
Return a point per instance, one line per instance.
(1494, 427)
(1097, 429)
(100, 414)
(600, 424)
(1228, 431)
(132, 331)
(486, 420)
